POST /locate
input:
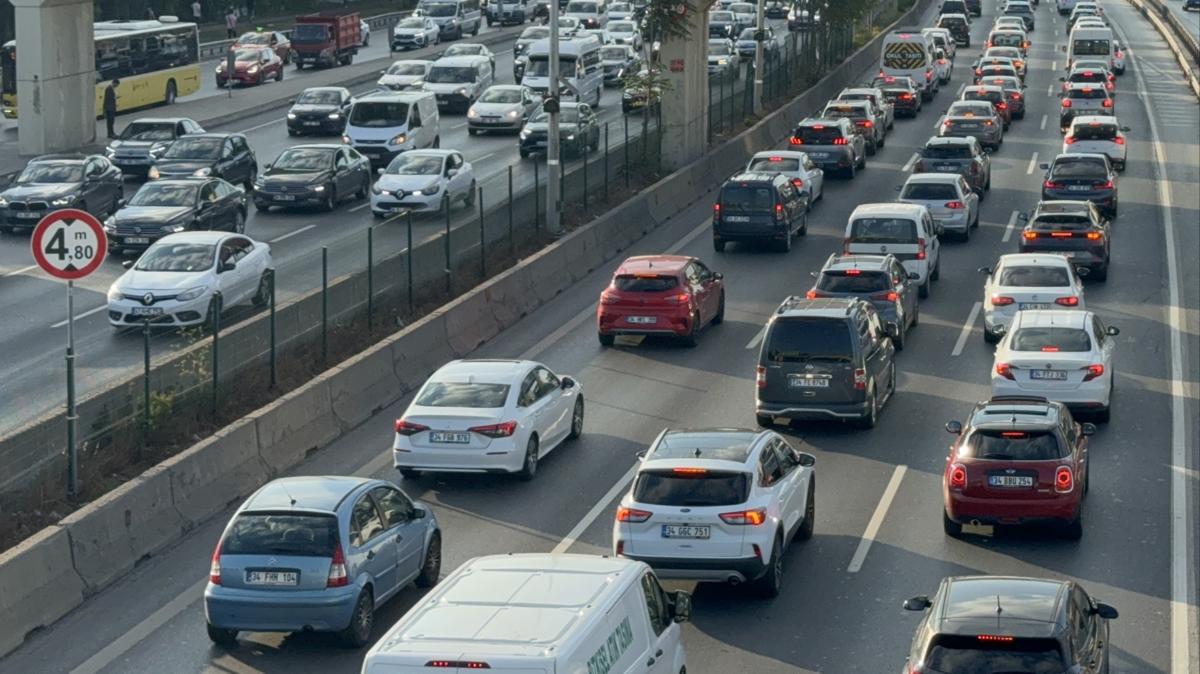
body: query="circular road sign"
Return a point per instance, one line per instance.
(69, 244)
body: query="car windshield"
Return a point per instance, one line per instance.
(821, 135)
(147, 131)
(415, 165)
(1061, 221)
(990, 96)
(969, 654)
(1090, 47)
(417, 69)
(319, 98)
(247, 55)
(1049, 339)
(463, 50)
(719, 49)
(613, 54)
(178, 257)
(195, 148)
(39, 173)
(281, 534)
(411, 22)
(929, 192)
(1008, 40)
(969, 110)
(1087, 76)
(621, 27)
(501, 96)
(540, 67)
(1088, 93)
(747, 35)
(947, 152)
(774, 164)
(1079, 168)
(720, 17)
(535, 33)
(255, 38)
(620, 7)
(582, 7)
(1036, 276)
(565, 116)
(747, 199)
(462, 394)
(742, 8)
(166, 194)
(631, 283)
(997, 445)
(1094, 131)
(378, 114)
(854, 281)
(847, 111)
(800, 339)
(304, 160)
(309, 32)
(883, 230)
(439, 9)
(451, 74)
(691, 488)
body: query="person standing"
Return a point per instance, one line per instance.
(110, 107)
(197, 11)
(230, 24)
(150, 13)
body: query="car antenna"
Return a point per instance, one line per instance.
(697, 452)
(291, 499)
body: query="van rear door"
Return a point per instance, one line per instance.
(452, 663)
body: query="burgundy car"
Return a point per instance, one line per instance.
(266, 38)
(251, 66)
(671, 295)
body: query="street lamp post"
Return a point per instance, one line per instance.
(758, 57)
(553, 169)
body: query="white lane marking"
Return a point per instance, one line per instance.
(145, 628)
(18, 272)
(908, 166)
(868, 537)
(1008, 229)
(1050, 90)
(486, 156)
(757, 337)
(256, 127)
(1032, 164)
(458, 126)
(83, 315)
(359, 207)
(583, 524)
(1044, 118)
(966, 330)
(291, 234)
(1054, 65)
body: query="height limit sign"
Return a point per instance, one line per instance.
(69, 244)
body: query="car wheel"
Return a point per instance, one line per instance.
(363, 189)
(901, 335)
(807, 526)
(437, 142)
(172, 92)
(261, 206)
(770, 583)
(1099, 274)
(279, 75)
(953, 529)
(990, 337)
(923, 289)
(253, 176)
(937, 270)
(871, 149)
(1104, 415)
(1073, 529)
(208, 313)
(358, 632)
(577, 420)
(262, 296)
(330, 199)
(718, 245)
(469, 199)
(472, 132)
(785, 246)
(222, 637)
(431, 570)
(530, 465)
(239, 222)
(719, 318)
(690, 339)
(852, 171)
(606, 340)
(871, 417)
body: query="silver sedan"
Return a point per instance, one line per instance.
(502, 107)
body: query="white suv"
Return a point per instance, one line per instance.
(718, 505)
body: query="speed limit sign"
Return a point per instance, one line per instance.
(69, 244)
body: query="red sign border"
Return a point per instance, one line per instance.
(88, 219)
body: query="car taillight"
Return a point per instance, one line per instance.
(797, 183)
(1119, 140)
(1106, 185)
(1069, 140)
(928, 74)
(906, 97)
(632, 514)
(214, 569)
(955, 205)
(1050, 185)
(839, 141)
(752, 518)
(974, 168)
(408, 428)
(1028, 235)
(1015, 96)
(958, 476)
(1005, 370)
(860, 379)
(760, 376)
(978, 72)
(1107, 103)
(1066, 103)
(1095, 236)
(337, 569)
(1061, 235)
(778, 211)
(458, 664)
(1094, 370)
(866, 124)
(501, 430)
(681, 298)
(921, 249)
(609, 298)
(1002, 106)
(796, 141)
(1064, 480)
(812, 295)
(1070, 301)
(1001, 301)
(890, 296)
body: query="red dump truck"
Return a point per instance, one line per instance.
(326, 39)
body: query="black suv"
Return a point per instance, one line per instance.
(759, 207)
(825, 359)
(964, 156)
(1072, 227)
(1009, 624)
(878, 279)
(219, 155)
(51, 182)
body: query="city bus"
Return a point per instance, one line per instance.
(156, 61)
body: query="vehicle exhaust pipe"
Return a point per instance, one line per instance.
(734, 579)
(975, 523)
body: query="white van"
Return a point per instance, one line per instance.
(1089, 42)
(383, 124)
(578, 63)
(457, 81)
(907, 231)
(910, 53)
(591, 13)
(540, 614)
(455, 18)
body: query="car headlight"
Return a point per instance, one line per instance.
(62, 201)
(428, 191)
(157, 150)
(153, 173)
(346, 140)
(512, 114)
(462, 91)
(219, 69)
(110, 152)
(174, 229)
(291, 115)
(472, 112)
(398, 139)
(319, 188)
(334, 115)
(376, 189)
(570, 136)
(202, 172)
(3, 202)
(252, 69)
(722, 62)
(114, 293)
(113, 145)
(191, 294)
(524, 133)
(110, 224)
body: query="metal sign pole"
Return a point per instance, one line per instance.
(553, 168)
(72, 453)
(758, 60)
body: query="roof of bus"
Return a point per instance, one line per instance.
(111, 29)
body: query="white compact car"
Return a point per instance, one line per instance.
(403, 74)
(487, 416)
(1094, 134)
(174, 281)
(904, 230)
(1061, 355)
(949, 198)
(804, 174)
(1024, 282)
(502, 107)
(718, 505)
(626, 32)
(423, 181)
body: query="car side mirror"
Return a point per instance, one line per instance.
(1112, 331)
(419, 513)
(291, 101)
(205, 205)
(226, 266)
(1062, 79)
(1126, 129)
(985, 270)
(567, 383)
(1024, 217)
(681, 606)
(380, 171)
(988, 150)
(128, 264)
(917, 603)
(641, 454)
(1088, 428)
(1105, 611)
(913, 276)
(805, 459)
(450, 173)
(954, 427)
(891, 329)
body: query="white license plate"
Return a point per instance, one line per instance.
(1079, 188)
(272, 578)
(285, 197)
(737, 218)
(1010, 480)
(805, 382)
(1024, 306)
(448, 437)
(818, 155)
(642, 319)
(1052, 375)
(312, 124)
(685, 531)
(147, 311)
(131, 240)
(946, 167)
(29, 216)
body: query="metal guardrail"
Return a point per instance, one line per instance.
(1179, 38)
(210, 50)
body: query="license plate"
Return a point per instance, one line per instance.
(685, 531)
(285, 197)
(147, 311)
(29, 216)
(946, 167)
(131, 240)
(818, 155)
(805, 382)
(312, 124)
(737, 218)
(1079, 188)
(642, 319)
(1052, 375)
(272, 578)
(450, 438)
(1010, 480)
(968, 127)
(1033, 305)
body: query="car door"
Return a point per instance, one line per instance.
(712, 289)
(931, 241)
(533, 407)
(207, 213)
(905, 288)
(360, 168)
(793, 485)
(403, 531)
(1103, 342)
(664, 629)
(241, 160)
(226, 166)
(556, 413)
(371, 552)
(814, 177)
(228, 205)
(970, 199)
(876, 350)
(227, 282)
(244, 277)
(94, 189)
(460, 181)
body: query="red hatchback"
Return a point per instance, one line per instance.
(1019, 460)
(251, 66)
(672, 295)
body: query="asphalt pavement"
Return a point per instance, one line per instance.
(878, 537)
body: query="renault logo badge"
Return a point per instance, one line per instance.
(148, 299)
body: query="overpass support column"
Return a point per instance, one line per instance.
(685, 102)
(56, 80)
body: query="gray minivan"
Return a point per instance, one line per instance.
(455, 18)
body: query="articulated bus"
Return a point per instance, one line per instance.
(156, 61)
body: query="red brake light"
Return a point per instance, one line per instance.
(1015, 96)
(796, 141)
(774, 158)
(1013, 434)
(818, 127)
(1050, 349)
(689, 471)
(745, 517)
(408, 428)
(632, 515)
(1107, 103)
(1069, 140)
(760, 373)
(955, 205)
(214, 569)
(906, 96)
(892, 296)
(811, 295)
(1061, 235)
(867, 124)
(853, 272)
(1071, 301)
(1002, 106)
(778, 211)
(1093, 371)
(1064, 481)
(1119, 140)
(839, 141)
(1005, 370)
(1050, 185)
(337, 569)
(501, 430)
(921, 249)
(1066, 102)
(796, 182)
(1001, 301)
(929, 74)
(991, 637)
(457, 664)
(1106, 185)
(958, 476)
(860, 379)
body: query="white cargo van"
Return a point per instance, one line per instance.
(908, 52)
(579, 65)
(1086, 42)
(383, 124)
(540, 614)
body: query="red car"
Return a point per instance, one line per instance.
(672, 295)
(1019, 460)
(252, 66)
(266, 38)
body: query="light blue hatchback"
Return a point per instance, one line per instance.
(320, 554)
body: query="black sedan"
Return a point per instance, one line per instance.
(221, 155)
(319, 110)
(165, 207)
(313, 175)
(577, 129)
(86, 182)
(1082, 176)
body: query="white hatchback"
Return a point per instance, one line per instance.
(423, 181)
(904, 230)
(487, 416)
(950, 200)
(1096, 134)
(1064, 356)
(1024, 282)
(718, 505)
(806, 176)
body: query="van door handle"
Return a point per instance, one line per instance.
(399, 538)
(370, 554)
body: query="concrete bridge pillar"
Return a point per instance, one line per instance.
(56, 75)
(685, 102)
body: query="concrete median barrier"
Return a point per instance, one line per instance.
(296, 425)
(469, 323)
(420, 349)
(216, 472)
(363, 385)
(38, 585)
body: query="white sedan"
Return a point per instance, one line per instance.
(403, 74)
(804, 174)
(174, 283)
(426, 181)
(949, 198)
(1095, 134)
(1061, 355)
(1027, 281)
(487, 416)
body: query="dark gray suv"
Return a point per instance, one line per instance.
(825, 359)
(878, 279)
